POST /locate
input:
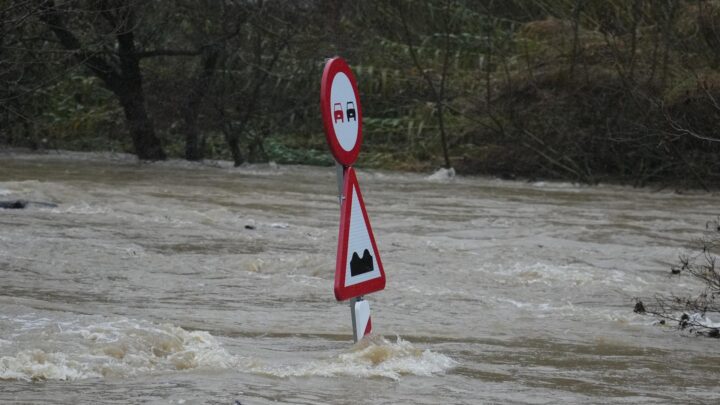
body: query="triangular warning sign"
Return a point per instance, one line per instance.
(358, 270)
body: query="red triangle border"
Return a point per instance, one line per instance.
(366, 287)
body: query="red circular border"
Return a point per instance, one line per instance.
(333, 67)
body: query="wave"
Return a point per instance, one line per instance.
(442, 175)
(51, 350)
(373, 356)
(38, 348)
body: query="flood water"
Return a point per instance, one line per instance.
(179, 283)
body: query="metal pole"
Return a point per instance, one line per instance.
(354, 321)
(340, 174)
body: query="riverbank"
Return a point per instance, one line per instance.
(384, 161)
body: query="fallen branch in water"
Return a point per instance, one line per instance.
(693, 313)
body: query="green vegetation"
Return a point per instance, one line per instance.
(584, 90)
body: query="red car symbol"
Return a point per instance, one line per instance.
(338, 112)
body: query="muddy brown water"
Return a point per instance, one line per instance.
(179, 283)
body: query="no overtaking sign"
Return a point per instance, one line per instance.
(341, 112)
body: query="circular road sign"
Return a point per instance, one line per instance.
(341, 112)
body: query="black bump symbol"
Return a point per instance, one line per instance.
(361, 266)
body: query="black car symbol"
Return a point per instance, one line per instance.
(351, 111)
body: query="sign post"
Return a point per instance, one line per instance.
(358, 268)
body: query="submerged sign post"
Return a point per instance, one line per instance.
(358, 269)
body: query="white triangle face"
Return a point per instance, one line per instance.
(361, 261)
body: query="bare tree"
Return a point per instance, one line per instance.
(269, 29)
(116, 64)
(190, 109)
(437, 86)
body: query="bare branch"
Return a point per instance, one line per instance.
(166, 52)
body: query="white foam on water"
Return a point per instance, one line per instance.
(44, 349)
(541, 310)
(372, 357)
(577, 275)
(38, 365)
(66, 155)
(704, 320)
(558, 185)
(442, 175)
(260, 169)
(82, 208)
(26, 189)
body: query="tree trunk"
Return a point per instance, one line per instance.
(125, 82)
(443, 137)
(667, 40)
(194, 145)
(146, 144)
(234, 145)
(194, 149)
(577, 10)
(443, 80)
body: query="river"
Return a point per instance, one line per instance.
(181, 283)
